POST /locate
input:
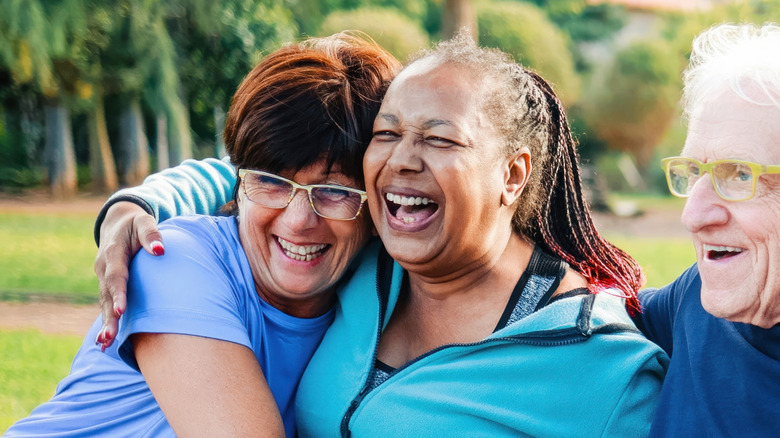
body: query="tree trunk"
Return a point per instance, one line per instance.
(133, 144)
(219, 125)
(163, 162)
(179, 137)
(60, 157)
(456, 15)
(33, 128)
(101, 160)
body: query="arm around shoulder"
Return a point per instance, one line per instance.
(193, 187)
(660, 306)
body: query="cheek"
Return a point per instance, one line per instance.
(254, 221)
(352, 236)
(373, 161)
(760, 224)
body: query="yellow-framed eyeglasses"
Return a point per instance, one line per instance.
(733, 180)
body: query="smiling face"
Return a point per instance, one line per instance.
(436, 171)
(737, 243)
(297, 256)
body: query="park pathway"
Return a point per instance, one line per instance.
(48, 317)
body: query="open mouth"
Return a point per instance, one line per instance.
(302, 253)
(715, 252)
(410, 209)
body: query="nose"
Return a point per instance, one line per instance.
(404, 155)
(299, 214)
(704, 208)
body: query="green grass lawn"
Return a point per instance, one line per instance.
(42, 254)
(663, 260)
(31, 365)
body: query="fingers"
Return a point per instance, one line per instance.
(145, 227)
(125, 229)
(113, 291)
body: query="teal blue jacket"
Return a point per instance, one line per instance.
(576, 368)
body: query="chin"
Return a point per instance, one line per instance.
(405, 253)
(737, 305)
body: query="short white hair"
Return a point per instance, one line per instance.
(741, 56)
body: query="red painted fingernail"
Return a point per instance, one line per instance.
(157, 248)
(117, 311)
(100, 338)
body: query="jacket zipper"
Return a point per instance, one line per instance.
(549, 338)
(380, 279)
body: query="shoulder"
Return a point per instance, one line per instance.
(199, 226)
(201, 286)
(688, 281)
(199, 250)
(363, 269)
(200, 235)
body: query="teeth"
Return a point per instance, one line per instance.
(408, 219)
(408, 200)
(302, 253)
(300, 258)
(708, 248)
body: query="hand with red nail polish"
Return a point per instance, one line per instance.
(126, 229)
(157, 248)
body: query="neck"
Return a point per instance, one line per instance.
(494, 272)
(463, 306)
(309, 307)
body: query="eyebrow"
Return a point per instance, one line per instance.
(435, 122)
(428, 124)
(388, 117)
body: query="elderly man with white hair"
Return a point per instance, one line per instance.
(719, 321)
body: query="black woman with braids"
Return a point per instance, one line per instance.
(493, 307)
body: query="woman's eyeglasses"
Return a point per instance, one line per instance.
(328, 201)
(734, 180)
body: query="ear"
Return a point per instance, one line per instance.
(516, 174)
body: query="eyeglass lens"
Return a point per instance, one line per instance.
(328, 201)
(733, 180)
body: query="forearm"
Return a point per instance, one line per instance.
(193, 187)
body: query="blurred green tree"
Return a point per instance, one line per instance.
(523, 31)
(309, 14)
(128, 60)
(583, 21)
(101, 158)
(394, 31)
(633, 106)
(217, 44)
(43, 45)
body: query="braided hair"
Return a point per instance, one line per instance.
(563, 222)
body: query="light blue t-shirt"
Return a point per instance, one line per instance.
(202, 286)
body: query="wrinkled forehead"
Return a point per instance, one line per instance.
(434, 73)
(732, 123)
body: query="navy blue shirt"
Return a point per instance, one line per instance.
(724, 377)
